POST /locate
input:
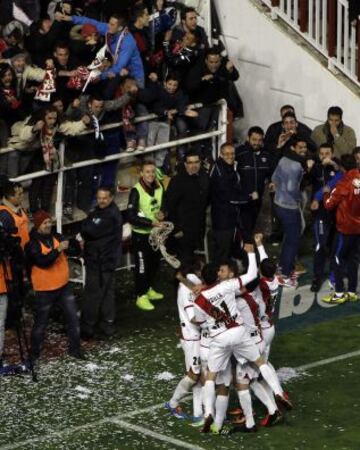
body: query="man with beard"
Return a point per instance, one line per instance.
(254, 167)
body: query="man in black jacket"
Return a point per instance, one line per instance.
(225, 197)
(186, 200)
(101, 231)
(255, 168)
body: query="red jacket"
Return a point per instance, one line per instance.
(346, 197)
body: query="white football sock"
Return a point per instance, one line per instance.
(197, 400)
(183, 388)
(209, 390)
(246, 406)
(221, 405)
(263, 396)
(271, 378)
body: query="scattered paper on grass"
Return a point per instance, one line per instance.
(83, 390)
(164, 376)
(286, 374)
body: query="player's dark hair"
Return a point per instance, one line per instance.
(268, 268)
(335, 111)
(190, 153)
(173, 76)
(252, 285)
(232, 265)
(138, 11)
(356, 151)
(214, 51)
(191, 265)
(95, 97)
(147, 162)
(209, 273)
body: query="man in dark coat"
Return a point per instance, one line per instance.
(186, 200)
(101, 231)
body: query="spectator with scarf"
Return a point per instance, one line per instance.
(120, 43)
(34, 139)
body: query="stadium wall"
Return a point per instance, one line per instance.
(276, 69)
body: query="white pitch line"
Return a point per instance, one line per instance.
(118, 419)
(155, 435)
(323, 362)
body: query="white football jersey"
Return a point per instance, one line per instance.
(185, 302)
(266, 295)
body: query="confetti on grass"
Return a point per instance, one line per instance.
(286, 374)
(164, 376)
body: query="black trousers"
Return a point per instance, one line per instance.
(323, 233)
(223, 242)
(345, 261)
(146, 263)
(248, 217)
(41, 189)
(44, 301)
(98, 306)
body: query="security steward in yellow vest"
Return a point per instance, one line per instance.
(50, 280)
(12, 215)
(144, 213)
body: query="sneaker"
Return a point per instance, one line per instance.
(236, 412)
(316, 285)
(153, 295)
(144, 303)
(272, 419)
(335, 299)
(224, 430)
(140, 148)
(352, 297)
(239, 420)
(287, 282)
(131, 146)
(283, 402)
(197, 422)
(207, 424)
(176, 412)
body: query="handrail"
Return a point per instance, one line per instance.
(324, 24)
(221, 133)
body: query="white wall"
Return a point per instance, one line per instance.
(274, 70)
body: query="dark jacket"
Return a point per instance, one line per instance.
(102, 231)
(225, 195)
(255, 168)
(201, 37)
(210, 91)
(41, 45)
(34, 256)
(272, 136)
(186, 200)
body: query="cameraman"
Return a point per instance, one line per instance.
(50, 280)
(12, 215)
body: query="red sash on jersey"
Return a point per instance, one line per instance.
(267, 298)
(254, 308)
(215, 313)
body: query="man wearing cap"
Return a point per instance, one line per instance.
(49, 271)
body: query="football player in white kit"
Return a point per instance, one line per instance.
(190, 343)
(216, 305)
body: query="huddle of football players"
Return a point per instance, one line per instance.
(227, 329)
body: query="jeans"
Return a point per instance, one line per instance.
(44, 301)
(346, 255)
(3, 309)
(291, 222)
(159, 133)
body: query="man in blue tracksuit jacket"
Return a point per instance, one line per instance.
(121, 44)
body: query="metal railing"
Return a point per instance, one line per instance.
(220, 133)
(325, 24)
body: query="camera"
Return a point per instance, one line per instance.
(9, 244)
